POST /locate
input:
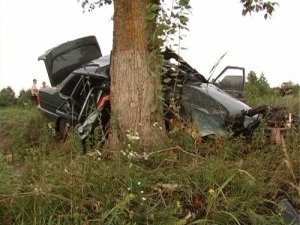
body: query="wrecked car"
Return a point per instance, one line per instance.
(213, 110)
(79, 95)
(79, 77)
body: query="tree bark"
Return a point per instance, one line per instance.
(133, 88)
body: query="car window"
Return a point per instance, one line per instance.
(207, 113)
(231, 82)
(73, 57)
(196, 97)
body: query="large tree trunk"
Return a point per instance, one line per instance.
(133, 88)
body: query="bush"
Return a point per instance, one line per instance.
(7, 97)
(296, 90)
(257, 87)
(24, 98)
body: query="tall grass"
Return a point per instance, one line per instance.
(273, 98)
(292, 103)
(221, 181)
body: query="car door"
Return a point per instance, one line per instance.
(232, 80)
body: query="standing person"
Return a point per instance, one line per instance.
(35, 92)
(44, 84)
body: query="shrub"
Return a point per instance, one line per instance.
(24, 98)
(257, 87)
(7, 97)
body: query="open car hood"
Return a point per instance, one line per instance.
(61, 60)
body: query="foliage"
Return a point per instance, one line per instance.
(169, 21)
(256, 87)
(91, 4)
(267, 7)
(296, 90)
(7, 97)
(249, 6)
(24, 98)
(259, 92)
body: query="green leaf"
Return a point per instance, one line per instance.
(154, 8)
(150, 16)
(183, 19)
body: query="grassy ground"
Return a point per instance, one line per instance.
(178, 181)
(292, 102)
